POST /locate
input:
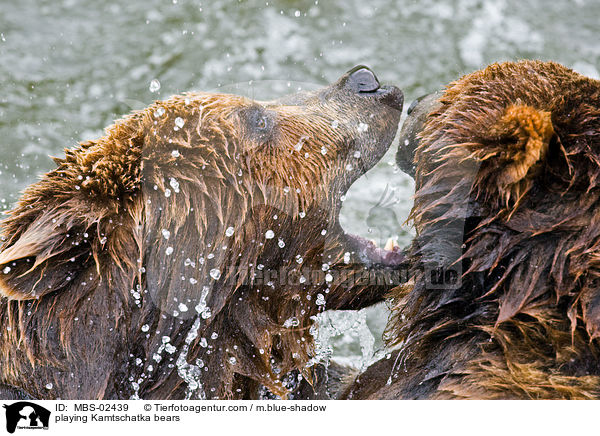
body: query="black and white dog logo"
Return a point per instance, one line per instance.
(26, 415)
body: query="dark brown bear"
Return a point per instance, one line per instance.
(183, 254)
(506, 262)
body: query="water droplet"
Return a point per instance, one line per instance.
(179, 122)
(281, 243)
(323, 150)
(145, 328)
(299, 259)
(203, 343)
(169, 251)
(6, 270)
(166, 234)
(175, 153)
(159, 112)
(335, 124)
(323, 232)
(270, 234)
(362, 127)
(325, 266)
(214, 336)
(229, 232)
(291, 322)
(49, 386)
(320, 300)
(328, 278)
(302, 279)
(215, 273)
(297, 14)
(174, 184)
(302, 214)
(357, 154)
(183, 307)
(232, 360)
(346, 257)
(300, 143)
(349, 167)
(154, 85)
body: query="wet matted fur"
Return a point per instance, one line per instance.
(166, 259)
(508, 193)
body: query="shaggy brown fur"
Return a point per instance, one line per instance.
(143, 266)
(507, 193)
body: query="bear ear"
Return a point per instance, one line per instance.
(42, 256)
(519, 144)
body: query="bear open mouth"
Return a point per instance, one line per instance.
(364, 82)
(366, 251)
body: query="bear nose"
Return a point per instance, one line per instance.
(362, 79)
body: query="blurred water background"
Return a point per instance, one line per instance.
(68, 68)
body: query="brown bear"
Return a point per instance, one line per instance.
(183, 254)
(505, 298)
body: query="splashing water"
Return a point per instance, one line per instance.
(339, 328)
(190, 373)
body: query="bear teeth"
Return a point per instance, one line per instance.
(391, 245)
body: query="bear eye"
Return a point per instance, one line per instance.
(258, 121)
(262, 123)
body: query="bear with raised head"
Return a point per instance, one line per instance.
(183, 254)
